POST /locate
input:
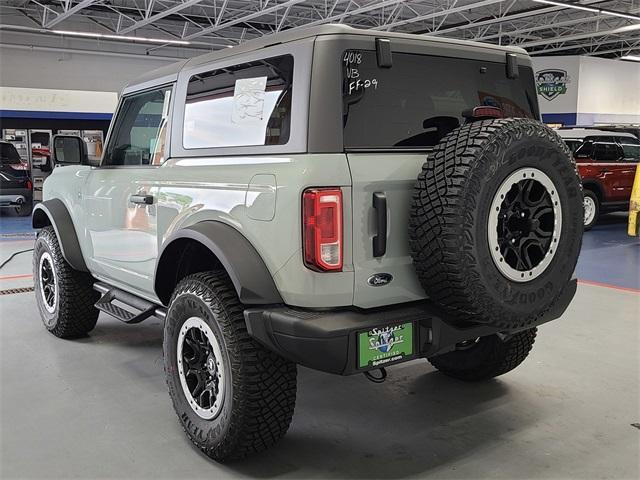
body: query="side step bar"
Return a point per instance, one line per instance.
(140, 309)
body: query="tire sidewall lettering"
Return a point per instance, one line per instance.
(183, 306)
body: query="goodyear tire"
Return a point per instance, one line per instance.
(65, 297)
(486, 357)
(496, 222)
(232, 396)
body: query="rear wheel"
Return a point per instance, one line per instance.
(591, 209)
(232, 396)
(486, 357)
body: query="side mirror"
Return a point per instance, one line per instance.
(69, 150)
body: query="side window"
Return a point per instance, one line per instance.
(243, 105)
(630, 148)
(585, 150)
(607, 152)
(140, 128)
(573, 144)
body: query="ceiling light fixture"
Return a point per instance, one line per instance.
(587, 8)
(121, 37)
(633, 58)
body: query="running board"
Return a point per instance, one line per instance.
(138, 309)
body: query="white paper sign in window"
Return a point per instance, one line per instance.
(248, 100)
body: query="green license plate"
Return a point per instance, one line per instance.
(382, 345)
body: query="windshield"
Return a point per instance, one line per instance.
(421, 98)
(8, 154)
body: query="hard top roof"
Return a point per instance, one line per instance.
(580, 133)
(299, 33)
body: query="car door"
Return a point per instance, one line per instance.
(628, 164)
(605, 153)
(121, 194)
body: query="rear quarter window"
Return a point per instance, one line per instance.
(421, 98)
(9, 155)
(242, 105)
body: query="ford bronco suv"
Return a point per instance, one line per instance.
(331, 197)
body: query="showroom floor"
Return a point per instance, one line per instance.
(98, 407)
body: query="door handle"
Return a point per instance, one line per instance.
(142, 199)
(380, 239)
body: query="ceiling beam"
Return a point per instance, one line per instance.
(576, 47)
(513, 16)
(349, 13)
(621, 50)
(437, 14)
(68, 12)
(159, 15)
(548, 26)
(580, 36)
(242, 19)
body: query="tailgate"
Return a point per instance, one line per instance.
(394, 176)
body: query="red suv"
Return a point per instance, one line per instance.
(607, 165)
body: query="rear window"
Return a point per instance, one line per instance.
(630, 148)
(421, 98)
(8, 154)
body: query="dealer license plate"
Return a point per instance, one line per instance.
(382, 345)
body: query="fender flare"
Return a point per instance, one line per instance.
(249, 274)
(54, 212)
(595, 186)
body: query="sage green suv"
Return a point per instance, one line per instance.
(337, 198)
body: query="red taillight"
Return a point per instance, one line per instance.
(322, 228)
(29, 185)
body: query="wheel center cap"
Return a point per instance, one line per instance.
(211, 365)
(518, 223)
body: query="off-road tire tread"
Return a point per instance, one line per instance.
(264, 388)
(77, 314)
(444, 197)
(503, 357)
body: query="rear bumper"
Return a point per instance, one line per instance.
(327, 340)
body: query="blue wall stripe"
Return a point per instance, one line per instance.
(54, 115)
(568, 119)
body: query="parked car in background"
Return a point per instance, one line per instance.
(574, 137)
(16, 187)
(41, 158)
(607, 163)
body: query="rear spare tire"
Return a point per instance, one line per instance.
(496, 222)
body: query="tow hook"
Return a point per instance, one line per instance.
(374, 378)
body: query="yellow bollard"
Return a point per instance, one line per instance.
(634, 206)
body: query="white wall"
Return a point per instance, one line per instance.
(56, 100)
(70, 71)
(599, 90)
(609, 91)
(566, 102)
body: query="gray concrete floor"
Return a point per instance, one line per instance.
(98, 407)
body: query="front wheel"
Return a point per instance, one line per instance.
(65, 297)
(486, 357)
(232, 396)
